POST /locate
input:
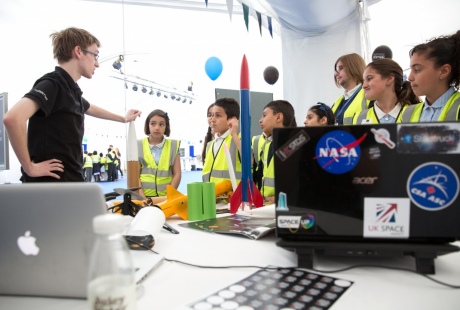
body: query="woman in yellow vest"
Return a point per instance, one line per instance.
(159, 158)
(385, 85)
(435, 74)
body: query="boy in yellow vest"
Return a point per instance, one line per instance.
(276, 114)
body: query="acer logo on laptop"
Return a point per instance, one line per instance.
(364, 180)
(27, 244)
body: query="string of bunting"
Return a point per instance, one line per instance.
(262, 19)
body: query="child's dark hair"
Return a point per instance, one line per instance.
(386, 68)
(208, 136)
(162, 114)
(207, 139)
(323, 110)
(443, 50)
(285, 108)
(230, 106)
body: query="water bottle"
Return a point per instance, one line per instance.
(111, 275)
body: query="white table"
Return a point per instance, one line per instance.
(174, 285)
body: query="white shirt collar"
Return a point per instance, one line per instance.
(223, 136)
(159, 145)
(393, 113)
(269, 139)
(348, 94)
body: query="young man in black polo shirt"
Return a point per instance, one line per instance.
(50, 148)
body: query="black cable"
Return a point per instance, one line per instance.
(316, 270)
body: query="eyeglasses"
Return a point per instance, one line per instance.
(96, 56)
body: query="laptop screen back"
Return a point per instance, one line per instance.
(46, 237)
(368, 182)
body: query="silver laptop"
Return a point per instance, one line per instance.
(46, 238)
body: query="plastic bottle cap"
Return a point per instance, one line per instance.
(110, 223)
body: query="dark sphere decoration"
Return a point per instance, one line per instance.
(382, 51)
(271, 75)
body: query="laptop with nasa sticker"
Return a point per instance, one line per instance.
(393, 183)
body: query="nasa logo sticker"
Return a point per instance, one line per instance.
(433, 186)
(338, 151)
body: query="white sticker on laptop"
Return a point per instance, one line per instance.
(386, 217)
(289, 221)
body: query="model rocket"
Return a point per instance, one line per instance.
(132, 157)
(246, 192)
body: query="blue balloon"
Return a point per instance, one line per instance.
(213, 67)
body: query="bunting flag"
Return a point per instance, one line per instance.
(246, 12)
(230, 8)
(259, 20)
(270, 28)
(246, 15)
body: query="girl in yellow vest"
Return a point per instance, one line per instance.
(159, 158)
(319, 115)
(435, 74)
(384, 83)
(224, 123)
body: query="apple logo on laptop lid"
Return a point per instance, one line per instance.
(27, 244)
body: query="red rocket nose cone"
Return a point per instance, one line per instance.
(244, 80)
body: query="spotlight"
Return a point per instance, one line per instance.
(190, 102)
(178, 98)
(166, 96)
(151, 92)
(144, 90)
(135, 87)
(190, 86)
(185, 99)
(126, 85)
(117, 63)
(159, 93)
(173, 97)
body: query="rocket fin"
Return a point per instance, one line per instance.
(176, 203)
(257, 198)
(235, 200)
